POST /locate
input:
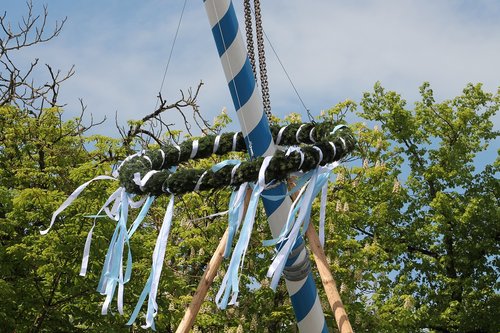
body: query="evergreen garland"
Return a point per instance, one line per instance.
(333, 147)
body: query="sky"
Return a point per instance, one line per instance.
(333, 50)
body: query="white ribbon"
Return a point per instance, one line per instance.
(114, 212)
(141, 182)
(292, 149)
(320, 153)
(151, 287)
(198, 183)
(70, 199)
(334, 149)
(148, 159)
(229, 285)
(194, 149)
(128, 158)
(216, 143)
(176, 146)
(298, 132)
(162, 157)
(280, 134)
(336, 128)
(343, 143)
(311, 137)
(86, 248)
(233, 172)
(322, 213)
(138, 203)
(235, 139)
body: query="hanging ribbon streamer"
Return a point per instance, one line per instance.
(113, 266)
(151, 287)
(86, 250)
(317, 182)
(114, 269)
(305, 198)
(236, 205)
(301, 181)
(231, 278)
(236, 210)
(322, 214)
(230, 282)
(70, 199)
(142, 214)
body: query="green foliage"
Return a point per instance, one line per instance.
(414, 228)
(221, 121)
(42, 160)
(39, 279)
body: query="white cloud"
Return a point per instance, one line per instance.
(332, 49)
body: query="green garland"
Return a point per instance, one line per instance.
(330, 146)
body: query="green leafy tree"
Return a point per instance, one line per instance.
(43, 158)
(414, 229)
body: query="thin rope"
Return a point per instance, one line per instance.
(171, 51)
(311, 118)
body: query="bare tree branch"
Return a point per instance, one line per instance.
(16, 85)
(152, 125)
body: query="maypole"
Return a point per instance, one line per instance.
(314, 150)
(259, 141)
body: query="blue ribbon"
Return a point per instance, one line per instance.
(142, 214)
(231, 278)
(235, 215)
(151, 287)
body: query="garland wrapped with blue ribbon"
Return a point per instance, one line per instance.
(313, 152)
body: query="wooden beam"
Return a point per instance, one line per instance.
(328, 281)
(205, 283)
(207, 278)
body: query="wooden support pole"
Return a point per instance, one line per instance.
(328, 282)
(323, 268)
(207, 278)
(205, 283)
(326, 275)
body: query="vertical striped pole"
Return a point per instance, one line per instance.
(255, 128)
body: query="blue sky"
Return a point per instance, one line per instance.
(332, 49)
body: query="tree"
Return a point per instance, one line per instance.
(42, 160)
(415, 231)
(16, 83)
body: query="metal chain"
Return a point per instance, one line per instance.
(249, 33)
(262, 60)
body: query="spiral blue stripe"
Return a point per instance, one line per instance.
(298, 242)
(301, 301)
(270, 206)
(258, 138)
(242, 86)
(260, 142)
(225, 31)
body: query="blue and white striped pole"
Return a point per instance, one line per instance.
(255, 127)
